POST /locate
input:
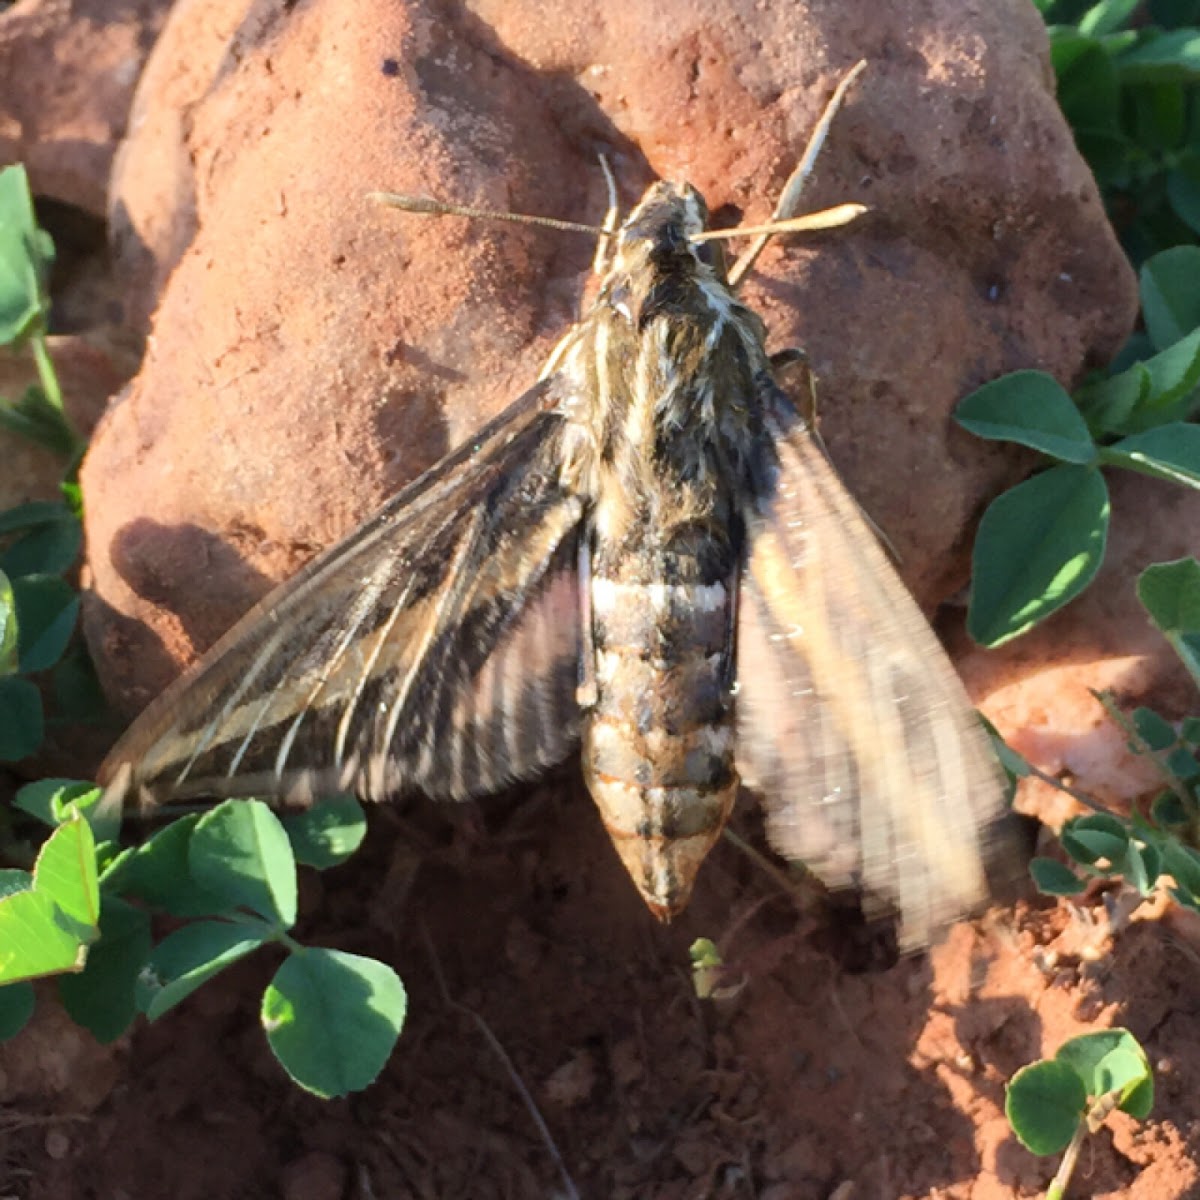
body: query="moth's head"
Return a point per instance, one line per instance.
(657, 250)
(665, 220)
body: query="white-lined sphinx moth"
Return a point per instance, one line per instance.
(646, 555)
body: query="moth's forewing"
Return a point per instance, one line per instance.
(852, 721)
(436, 647)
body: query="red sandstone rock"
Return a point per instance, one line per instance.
(311, 351)
(69, 68)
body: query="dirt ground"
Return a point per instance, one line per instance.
(829, 1074)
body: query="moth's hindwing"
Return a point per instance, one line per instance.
(851, 719)
(436, 647)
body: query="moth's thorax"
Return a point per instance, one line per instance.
(667, 364)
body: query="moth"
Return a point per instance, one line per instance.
(646, 559)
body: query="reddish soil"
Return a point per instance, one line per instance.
(821, 1078)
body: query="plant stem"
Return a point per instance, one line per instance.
(1062, 1177)
(48, 378)
(46, 372)
(1128, 728)
(1066, 788)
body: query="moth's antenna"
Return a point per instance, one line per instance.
(789, 198)
(612, 218)
(827, 218)
(438, 208)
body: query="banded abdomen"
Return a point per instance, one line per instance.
(658, 738)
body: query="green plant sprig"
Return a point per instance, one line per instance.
(39, 541)
(1127, 82)
(26, 256)
(84, 913)
(1041, 543)
(1054, 1104)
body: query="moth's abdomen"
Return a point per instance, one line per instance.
(658, 739)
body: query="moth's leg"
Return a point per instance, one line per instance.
(585, 693)
(789, 198)
(612, 218)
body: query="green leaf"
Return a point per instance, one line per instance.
(333, 1018)
(1097, 836)
(1166, 58)
(16, 1007)
(1170, 298)
(1053, 878)
(1182, 863)
(37, 938)
(31, 515)
(1029, 407)
(72, 495)
(1174, 376)
(102, 998)
(8, 628)
(25, 257)
(1141, 868)
(1159, 116)
(76, 686)
(240, 850)
(1156, 732)
(1137, 347)
(157, 873)
(1170, 593)
(50, 800)
(1109, 406)
(1039, 545)
(1170, 452)
(1112, 1060)
(189, 957)
(1150, 393)
(1106, 17)
(21, 727)
(1088, 88)
(47, 607)
(66, 870)
(328, 833)
(49, 548)
(1169, 811)
(1067, 44)
(36, 418)
(13, 881)
(1183, 764)
(1014, 764)
(1151, 866)
(1044, 1105)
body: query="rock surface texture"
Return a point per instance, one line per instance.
(68, 69)
(311, 351)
